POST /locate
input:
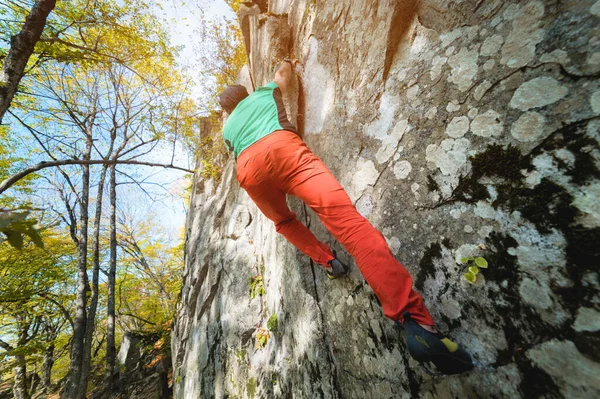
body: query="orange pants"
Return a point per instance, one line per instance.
(281, 164)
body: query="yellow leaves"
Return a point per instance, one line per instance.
(234, 4)
(55, 259)
(149, 276)
(261, 337)
(110, 32)
(28, 275)
(221, 54)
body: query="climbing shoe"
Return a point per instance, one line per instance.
(424, 346)
(335, 268)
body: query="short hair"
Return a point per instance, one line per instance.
(231, 96)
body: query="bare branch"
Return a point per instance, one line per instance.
(34, 133)
(135, 147)
(43, 165)
(5, 345)
(136, 317)
(64, 311)
(134, 181)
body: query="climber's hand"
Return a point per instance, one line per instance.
(298, 67)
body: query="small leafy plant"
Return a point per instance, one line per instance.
(262, 337)
(256, 286)
(273, 322)
(473, 265)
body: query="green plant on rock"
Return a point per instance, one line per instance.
(251, 387)
(273, 322)
(212, 155)
(241, 355)
(262, 337)
(210, 171)
(256, 286)
(473, 265)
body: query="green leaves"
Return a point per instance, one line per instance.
(15, 226)
(481, 262)
(256, 286)
(273, 322)
(470, 277)
(473, 264)
(35, 293)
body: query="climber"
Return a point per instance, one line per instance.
(272, 161)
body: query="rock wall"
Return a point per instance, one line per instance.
(144, 369)
(459, 128)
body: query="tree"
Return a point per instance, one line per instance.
(22, 46)
(105, 48)
(76, 32)
(15, 224)
(153, 263)
(221, 57)
(35, 293)
(99, 95)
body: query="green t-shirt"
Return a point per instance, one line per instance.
(256, 116)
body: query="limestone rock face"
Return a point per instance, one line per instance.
(130, 352)
(460, 129)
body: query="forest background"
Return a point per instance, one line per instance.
(106, 107)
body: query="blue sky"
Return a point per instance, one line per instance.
(183, 19)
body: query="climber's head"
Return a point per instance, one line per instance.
(231, 96)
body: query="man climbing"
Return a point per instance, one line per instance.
(273, 161)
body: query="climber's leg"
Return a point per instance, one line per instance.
(271, 201)
(301, 173)
(291, 167)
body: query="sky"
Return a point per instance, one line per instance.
(182, 19)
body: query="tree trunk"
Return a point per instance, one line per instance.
(47, 368)
(20, 384)
(91, 316)
(72, 385)
(34, 382)
(110, 333)
(21, 48)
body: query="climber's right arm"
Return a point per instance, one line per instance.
(283, 75)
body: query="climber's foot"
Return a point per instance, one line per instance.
(335, 268)
(438, 349)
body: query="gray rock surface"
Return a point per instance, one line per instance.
(144, 369)
(459, 128)
(130, 352)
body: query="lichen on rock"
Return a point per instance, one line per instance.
(461, 128)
